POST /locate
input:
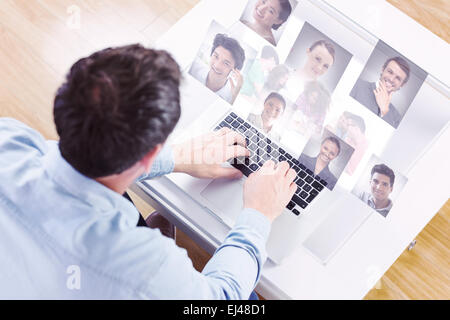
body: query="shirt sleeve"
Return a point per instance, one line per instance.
(163, 164)
(18, 137)
(237, 264)
(232, 272)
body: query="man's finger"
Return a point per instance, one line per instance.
(292, 188)
(233, 137)
(236, 151)
(222, 131)
(269, 164)
(291, 174)
(282, 168)
(228, 173)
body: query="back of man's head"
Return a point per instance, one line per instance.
(115, 106)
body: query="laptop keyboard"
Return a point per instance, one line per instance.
(262, 149)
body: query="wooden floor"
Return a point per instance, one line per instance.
(41, 39)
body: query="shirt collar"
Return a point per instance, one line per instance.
(372, 204)
(82, 187)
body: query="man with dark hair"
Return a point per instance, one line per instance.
(381, 185)
(377, 96)
(329, 150)
(222, 76)
(65, 228)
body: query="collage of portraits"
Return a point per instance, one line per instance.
(296, 84)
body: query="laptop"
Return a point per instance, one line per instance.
(324, 213)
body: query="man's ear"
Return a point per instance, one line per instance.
(148, 159)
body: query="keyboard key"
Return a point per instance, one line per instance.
(252, 146)
(303, 194)
(297, 169)
(309, 179)
(307, 187)
(290, 205)
(262, 144)
(302, 204)
(314, 192)
(310, 198)
(300, 182)
(254, 167)
(242, 129)
(302, 174)
(244, 169)
(296, 212)
(268, 141)
(275, 154)
(302, 166)
(309, 172)
(255, 139)
(281, 150)
(247, 125)
(240, 120)
(281, 158)
(323, 182)
(254, 158)
(295, 161)
(235, 124)
(233, 115)
(288, 156)
(229, 119)
(317, 186)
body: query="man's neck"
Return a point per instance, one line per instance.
(215, 84)
(381, 204)
(120, 182)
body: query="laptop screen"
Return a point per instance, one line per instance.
(346, 104)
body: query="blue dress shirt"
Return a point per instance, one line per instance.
(65, 236)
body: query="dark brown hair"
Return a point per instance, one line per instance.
(284, 14)
(115, 106)
(232, 45)
(383, 169)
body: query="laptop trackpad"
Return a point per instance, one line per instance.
(224, 197)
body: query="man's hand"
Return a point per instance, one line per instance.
(202, 157)
(236, 81)
(270, 189)
(383, 98)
